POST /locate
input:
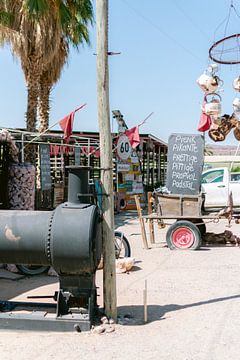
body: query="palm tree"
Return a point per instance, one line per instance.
(35, 39)
(36, 30)
(74, 32)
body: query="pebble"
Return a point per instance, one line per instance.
(110, 329)
(104, 320)
(99, 329)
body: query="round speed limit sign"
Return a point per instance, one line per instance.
(123, 147)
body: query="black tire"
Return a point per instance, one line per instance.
(183, 235)
(122, 246)
(32, 269)
(201, 227)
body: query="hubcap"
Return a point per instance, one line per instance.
(183, 238)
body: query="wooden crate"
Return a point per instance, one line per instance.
(179, 205)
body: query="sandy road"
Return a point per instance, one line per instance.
(193, 307)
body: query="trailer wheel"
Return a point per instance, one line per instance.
(201, 227)
(183, 235)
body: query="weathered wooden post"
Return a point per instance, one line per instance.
(150, 224)
(109, 271)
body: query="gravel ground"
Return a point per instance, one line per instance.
(193, 307)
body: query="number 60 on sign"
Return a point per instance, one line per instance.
(123, 147)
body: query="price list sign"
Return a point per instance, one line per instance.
(185, 163)
(45, 168)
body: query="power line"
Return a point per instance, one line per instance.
(190, 19)
(162, 31)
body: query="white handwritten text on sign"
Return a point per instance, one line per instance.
(185, 163)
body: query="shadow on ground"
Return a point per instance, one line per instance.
(132, 315)
(125, 217)
(12, 288)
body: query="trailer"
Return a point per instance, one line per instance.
(186, 232)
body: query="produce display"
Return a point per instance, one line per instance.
(21, 186)
(21, 177)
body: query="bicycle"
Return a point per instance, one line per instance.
(121, 243)
(122, 249)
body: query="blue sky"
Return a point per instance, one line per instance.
(164, 48)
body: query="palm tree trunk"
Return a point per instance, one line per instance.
(43, 104)
(33, 77)
(32, 101)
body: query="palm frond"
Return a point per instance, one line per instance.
(37, 7)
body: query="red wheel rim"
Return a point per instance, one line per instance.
(183, 238)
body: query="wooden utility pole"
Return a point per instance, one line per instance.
(109, 270)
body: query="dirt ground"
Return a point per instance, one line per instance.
(193, 302)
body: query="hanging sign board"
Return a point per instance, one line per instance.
(123, 167)
(124, 148)
(185, 163)
(45, 168)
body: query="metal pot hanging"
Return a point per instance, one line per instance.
(209, 84)
(212, 107)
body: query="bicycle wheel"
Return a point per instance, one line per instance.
(32, 269)
(122, 246)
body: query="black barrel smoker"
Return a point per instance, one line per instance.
(68, 239)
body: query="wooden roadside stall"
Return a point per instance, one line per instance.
(153, 154)
(49, 179)
(142, 171)
(182, 200)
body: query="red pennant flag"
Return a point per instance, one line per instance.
(66, 123)
(205, 120)
(97, 153)
(84, 150)
(133, 136)
(71, 150)
(54, 150)
(63, 149)
(92, 150)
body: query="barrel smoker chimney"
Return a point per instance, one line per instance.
(78, 184)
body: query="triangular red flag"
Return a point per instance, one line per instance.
(66, 124)
(205, 120)
(133, 136)
(97, 153)
(54, 150)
